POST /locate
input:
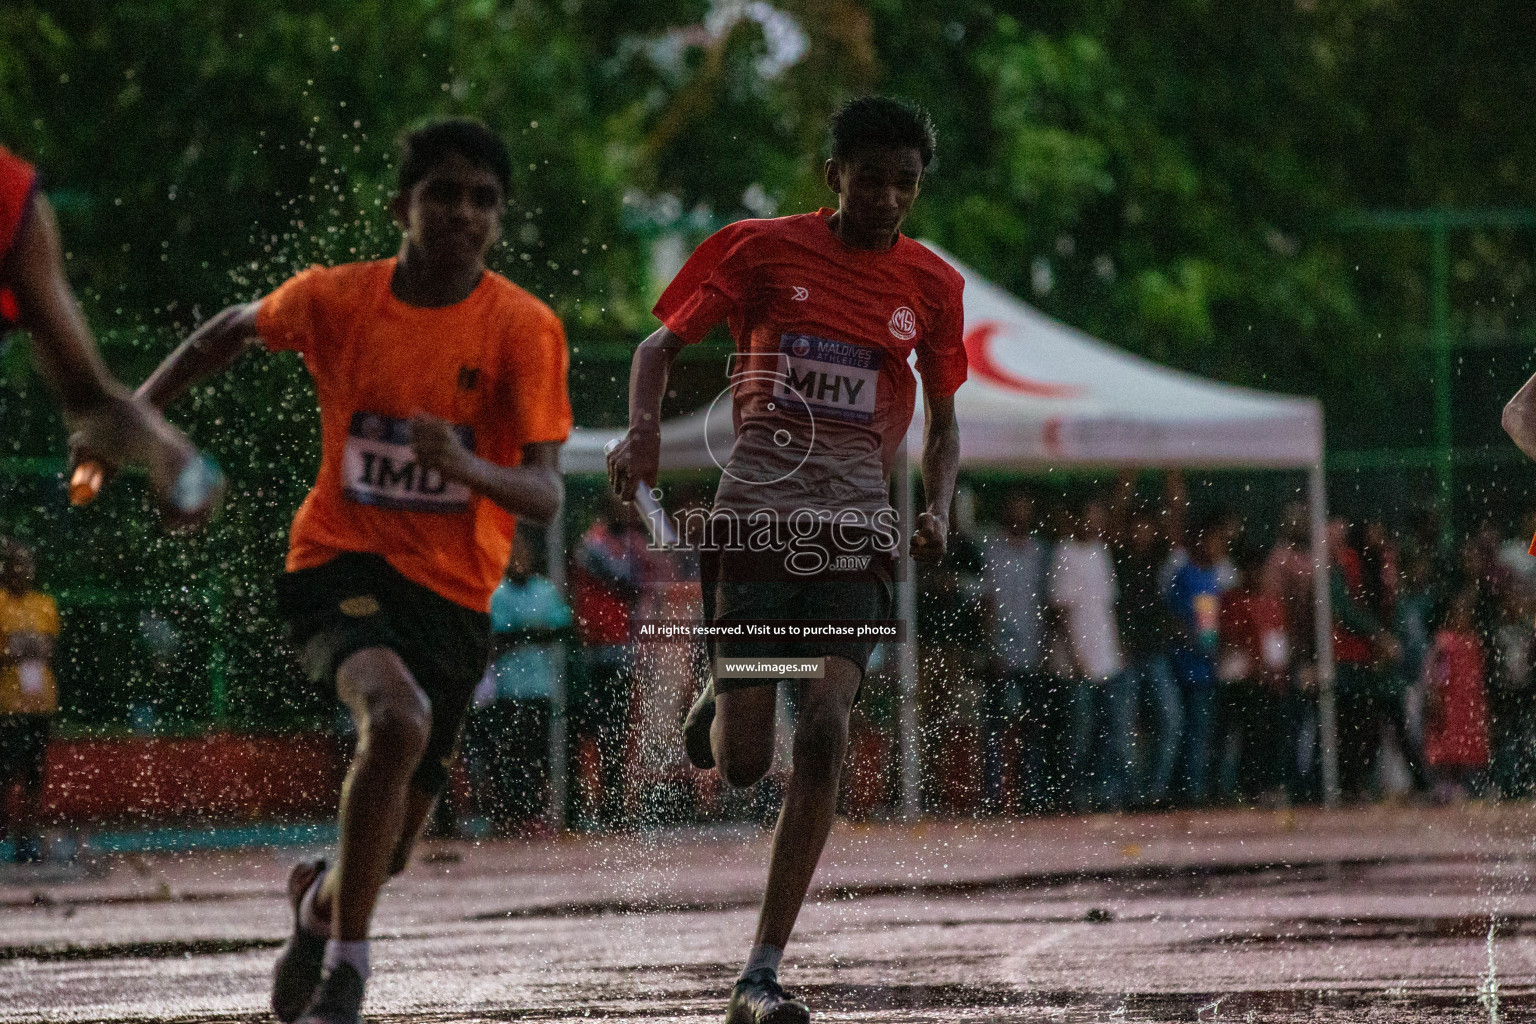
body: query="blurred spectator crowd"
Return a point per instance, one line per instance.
(1114, 653)
(1119, 654)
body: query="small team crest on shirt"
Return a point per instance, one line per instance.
(801, 347)
(360, 607)
(903, 324)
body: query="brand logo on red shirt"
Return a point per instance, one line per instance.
(800, 294)
(904, 323)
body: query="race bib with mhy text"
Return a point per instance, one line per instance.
(831, 378)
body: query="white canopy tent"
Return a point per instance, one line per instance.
(1041, 394)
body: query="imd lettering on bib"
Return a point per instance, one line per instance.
(379, 468)
(835, 379)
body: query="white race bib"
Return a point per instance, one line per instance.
(833, 378)
(379, 468)
(33, 676)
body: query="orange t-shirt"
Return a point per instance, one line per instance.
(494, 365)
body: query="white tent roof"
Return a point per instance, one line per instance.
(1043, 394)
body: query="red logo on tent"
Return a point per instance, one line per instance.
(978, 352)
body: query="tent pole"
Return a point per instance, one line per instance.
(1327, 711)
(906, 589)
(554, 561)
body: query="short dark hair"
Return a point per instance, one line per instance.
(880, 122)
(425, 147)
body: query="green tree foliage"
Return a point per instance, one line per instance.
(1166, 174)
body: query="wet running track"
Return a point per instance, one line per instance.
(1381, 914)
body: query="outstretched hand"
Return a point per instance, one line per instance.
(187, 488)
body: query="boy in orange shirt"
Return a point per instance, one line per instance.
(29, 625)
(443, 405)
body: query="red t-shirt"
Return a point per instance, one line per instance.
(1253, 625)
(821, 387)
(18, 180)
(1350, 648)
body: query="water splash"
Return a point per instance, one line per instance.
(1488, 992)
(1213, 1008)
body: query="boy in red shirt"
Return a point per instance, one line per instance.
(443, 405)
(106, 422)
(1456, 702)
(825, 309)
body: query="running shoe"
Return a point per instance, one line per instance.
(758, 999)
(338, 1000)
(696, 729)
(296, 974)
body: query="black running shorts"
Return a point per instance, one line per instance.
(744, 586)
(356, 601)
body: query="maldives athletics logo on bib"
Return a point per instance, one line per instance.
(903, 324)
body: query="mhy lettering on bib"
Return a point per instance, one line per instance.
(836, 379)
(379, 468)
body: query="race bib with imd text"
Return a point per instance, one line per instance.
(830, 378)
(379, 468)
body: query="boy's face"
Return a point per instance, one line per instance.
(876, 188)
(453, 215)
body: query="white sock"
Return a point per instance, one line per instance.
(308, 919)
(763, 957)
(339, 952)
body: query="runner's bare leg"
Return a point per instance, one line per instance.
(418, 808)
(742, 733)
(810, 798)
(393, 720)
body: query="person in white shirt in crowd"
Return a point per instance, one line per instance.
(1017, 694)
(1082, 586)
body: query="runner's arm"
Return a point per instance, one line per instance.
(100, 409)
(941, 465)
(638, 455)
(66, 355)
(1519, 418)
(532, 490)
(212, 347)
